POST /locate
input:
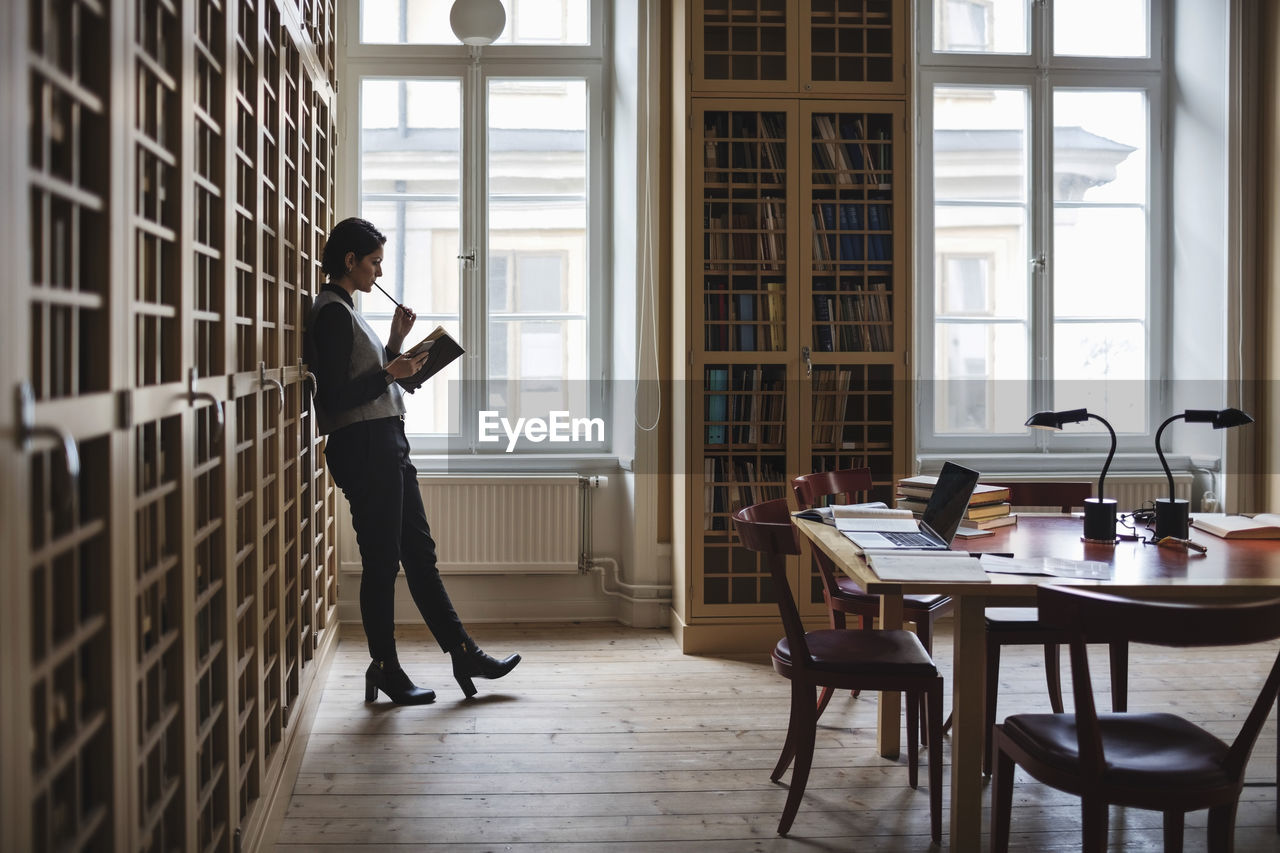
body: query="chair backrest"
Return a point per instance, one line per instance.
(811, 489)
(1064, 495)
(1089, 616)
(766, 529)
(846, 484)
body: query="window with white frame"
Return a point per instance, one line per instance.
(1041, 218)
(484, 169)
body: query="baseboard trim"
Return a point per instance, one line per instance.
(263, 824)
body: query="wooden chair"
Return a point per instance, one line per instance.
(1156, 761)
(841, 593)
(840, 659)
(1021, 626)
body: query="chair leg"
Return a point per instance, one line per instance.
(1222, 827)
(1173, 822)
(1053, 676)
(993, 687)
(798, 693)
(935, 761)
(1094, 819)
(1001, 796)
(1120, 677)
(823, 698)
(803, 727)
(924, 633)
(913, 739)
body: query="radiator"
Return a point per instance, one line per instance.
(515, 524)
(1130, 491)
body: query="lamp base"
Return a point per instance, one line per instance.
(1100, 519)
(1172, 518)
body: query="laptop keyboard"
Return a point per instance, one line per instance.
(908, 539)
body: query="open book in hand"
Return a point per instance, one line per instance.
(441, 351)
(829, 514)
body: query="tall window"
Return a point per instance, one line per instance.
(1041, 212)
(485, 171)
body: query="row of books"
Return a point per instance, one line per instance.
(858, 321)
(747, 407)
(848, 232)
(988, 507)
(843, 155)
(762, 150)
(745, 320)
(734, 482)
(751, 148)
(740, 237)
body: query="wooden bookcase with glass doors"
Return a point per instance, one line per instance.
(796, 305)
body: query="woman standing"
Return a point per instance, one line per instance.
(361, 409)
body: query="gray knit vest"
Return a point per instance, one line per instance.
(366, 356)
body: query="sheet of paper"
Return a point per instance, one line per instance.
(929, 567)
(1054, 567)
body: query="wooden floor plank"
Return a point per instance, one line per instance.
(608, 738)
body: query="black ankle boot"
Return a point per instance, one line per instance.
(388, 677)
(469, 662)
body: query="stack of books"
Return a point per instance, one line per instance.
(988, 508)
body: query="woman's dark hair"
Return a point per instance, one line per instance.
(350, 235)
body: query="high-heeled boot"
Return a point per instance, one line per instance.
(388, 677)
(469, 662)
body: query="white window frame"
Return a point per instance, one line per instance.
(1039, 74)
(357, 62)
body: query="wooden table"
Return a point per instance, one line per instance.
(1230, 569)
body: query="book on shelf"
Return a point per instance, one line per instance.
(441, 350)
(921, 486)
(717, 404)
(775, 301)
(1264, 525)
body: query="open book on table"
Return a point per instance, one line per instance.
(1264, 525)
(442, 349)
(829, 514)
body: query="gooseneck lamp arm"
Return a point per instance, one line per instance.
(1160, 452)
(1110, 454)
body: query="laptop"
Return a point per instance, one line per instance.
(937, 526)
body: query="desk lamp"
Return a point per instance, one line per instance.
(1172, 513)
(1099, 512)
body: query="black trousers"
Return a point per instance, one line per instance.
(369, 461)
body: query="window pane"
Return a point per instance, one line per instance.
(552, 22)
(1100, 267)
(980, 144)
(1102, 367)
(1078, 31)
(988, 241)
(410, 179)
(537, 234)
(980, 26)
(1100, 146)
(980, 375)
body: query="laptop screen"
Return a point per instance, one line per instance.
(949, 500)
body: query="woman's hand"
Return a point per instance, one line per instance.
(401, 322)
(406, 365)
